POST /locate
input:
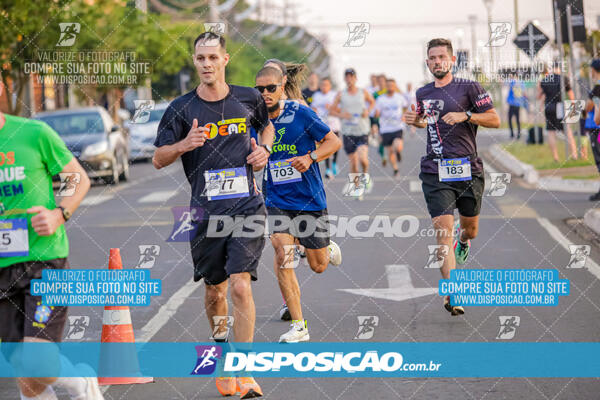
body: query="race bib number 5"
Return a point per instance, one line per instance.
(283, 172)
(454, 169)
(14, 239)
(227, 183)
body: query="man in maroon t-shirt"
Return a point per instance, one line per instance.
(452, 173)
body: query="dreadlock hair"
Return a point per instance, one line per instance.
(295, 76)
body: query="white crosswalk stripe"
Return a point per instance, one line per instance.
(94, 200)
(158, 197)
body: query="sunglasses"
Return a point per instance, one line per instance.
(270, 88)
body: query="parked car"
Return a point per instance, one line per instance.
(100, 145)
(143, 130)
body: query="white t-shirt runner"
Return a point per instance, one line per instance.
(390, 107)
(319, 103)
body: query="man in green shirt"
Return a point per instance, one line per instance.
(33, 238)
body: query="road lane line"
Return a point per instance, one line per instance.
(415, 186)
(158, 197)
(564, 242)
(96, 199)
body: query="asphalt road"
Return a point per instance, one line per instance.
(523, 228)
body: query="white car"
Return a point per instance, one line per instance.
(142, 132)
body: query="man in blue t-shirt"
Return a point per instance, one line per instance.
(452, 172)
(515, 99)
(295, 198)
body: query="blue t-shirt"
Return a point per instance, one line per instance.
(516, 95)
(297, 128)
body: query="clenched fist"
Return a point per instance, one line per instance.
(195, 138)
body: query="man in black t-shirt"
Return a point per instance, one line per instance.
(313, 87)
(452, 172)
(549, 90)
(209, 128)
(591, 126)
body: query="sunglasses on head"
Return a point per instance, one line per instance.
(270, 88)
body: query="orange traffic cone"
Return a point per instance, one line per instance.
(117, 328)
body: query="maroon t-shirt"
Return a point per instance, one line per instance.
(451, 141)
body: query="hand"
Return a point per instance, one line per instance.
(345, 115)
(46, 221)
(410, 116)
(301, 163)
(195, 138)
(259, 156)
(452, 118)
(365, 113)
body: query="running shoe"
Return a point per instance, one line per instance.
(329, 174)
(284, 313)
(248, 388)
(384, 162)
(461, 250)
(454, 310)
(92, 390)
(595, 197)
(334, 168)
(335, 254)
(226, 386)
(395, 173)
(297, 333)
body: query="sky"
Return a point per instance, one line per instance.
(399, 30)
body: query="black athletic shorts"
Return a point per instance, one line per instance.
(215, 258)
(443, 197)
(388, 138)
(374, 121)
(351, 143)
(310, 227)
(553, 123)
(22, 314)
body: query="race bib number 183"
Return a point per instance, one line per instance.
(14, 239)
(454, 169)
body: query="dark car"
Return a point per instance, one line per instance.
(100, 145)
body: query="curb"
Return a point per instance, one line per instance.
(531, 176)
(591, 219)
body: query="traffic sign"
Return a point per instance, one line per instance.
(531, 39)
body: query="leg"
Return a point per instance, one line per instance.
(469, 228)
(552, 144)
(517, 112)
(510, 125)
(392, 157)
(353, 158)
(284, 271)
(215, 302)
(443, 226)
(318, 259)
(244, 313)
(32, 387)
(363, 152)
(595, 147)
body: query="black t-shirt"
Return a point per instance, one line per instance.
(451, 141)
(550, 85)
(308, 95)
(228, 144)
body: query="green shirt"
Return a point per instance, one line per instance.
(30, 154)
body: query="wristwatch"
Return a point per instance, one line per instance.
(65, 213)
(314, 156)
(469, 115)
(266, 146)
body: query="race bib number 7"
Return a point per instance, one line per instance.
(454, 169)
(14, 238)
(227, 183)
(283, 172)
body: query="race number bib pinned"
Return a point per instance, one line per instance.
(283, 172)
(227, 183)
(14, 238)
(454, 169)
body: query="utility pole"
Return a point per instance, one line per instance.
(516, 10)
(573, 66)
(561, 52)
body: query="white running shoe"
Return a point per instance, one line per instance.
(298, 333)
(335, 254)
(92, 391)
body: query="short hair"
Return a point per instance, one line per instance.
(277, 62)
(207, 36)
(439, 42)
(326, 78)
(270, 71)
(390, 79)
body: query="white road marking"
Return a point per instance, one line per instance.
(415, 186)
(564, 242)
(158, 197)
(400, 286)
(96, 199)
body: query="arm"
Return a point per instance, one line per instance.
(334, 109)
(570, 94)
(369, 99)
(487, 119)
(597, 115)
(329, 145)
(166, 155)
(46, 222)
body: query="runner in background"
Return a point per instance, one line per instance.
(592, 122)
(410, 97)
(515, 99)
(381, 89)
(390, 108)
(309, 91)
(322, 102)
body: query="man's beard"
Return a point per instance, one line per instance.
(273, 108)
(439, 74)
